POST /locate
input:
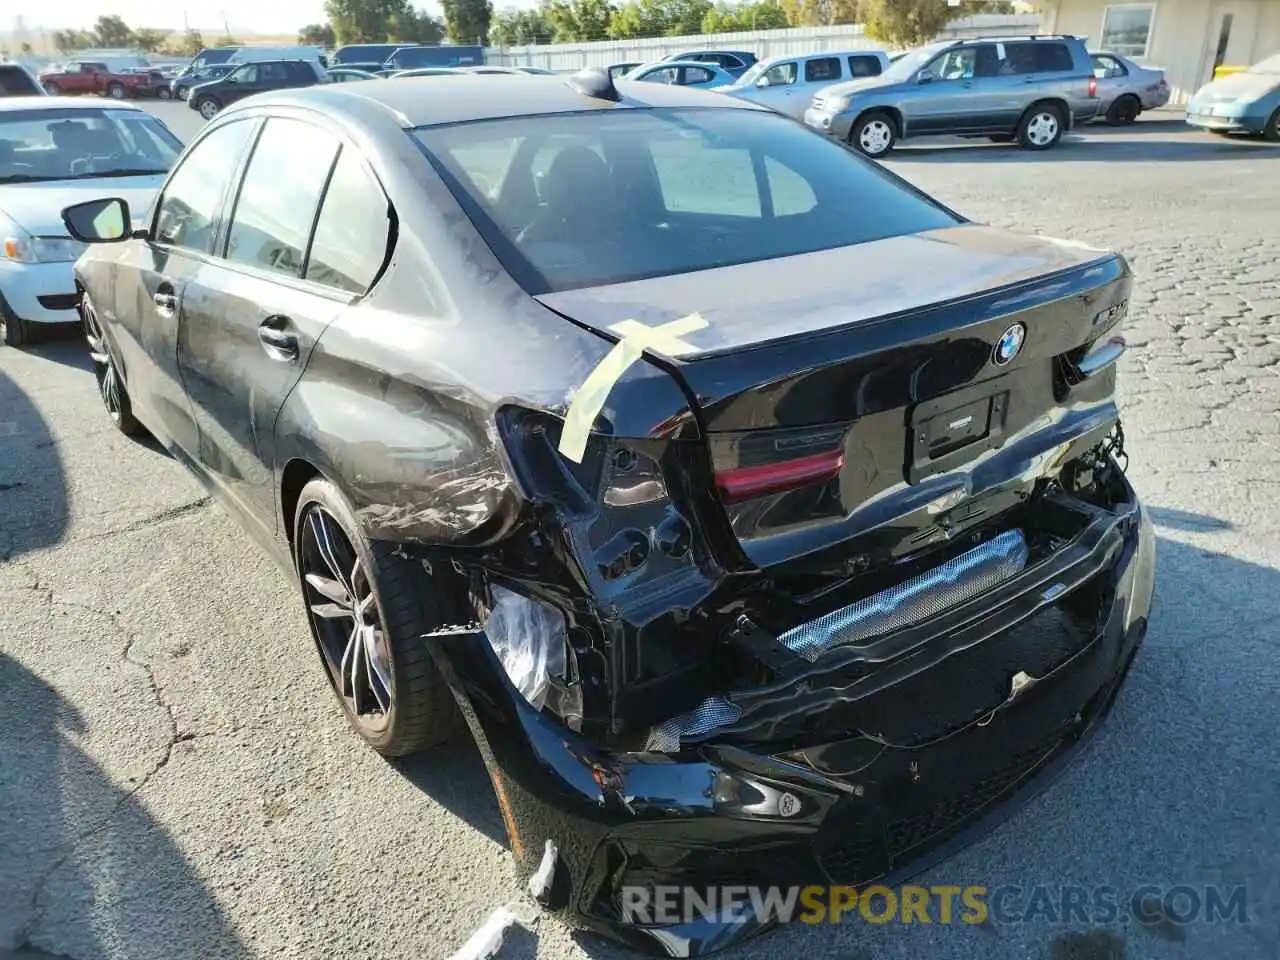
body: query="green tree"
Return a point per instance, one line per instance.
(415, 26)
(317, 35)
(514, 28)
(112, 31)
(65, 41)
(150, 40)
(192, 43)
(658, 18)
(467, 21)
(760, 15)
(906, 23)
(363, 21)
(820, 13)
(579, 20)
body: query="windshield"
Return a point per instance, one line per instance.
(81, 144)
(1269, 65)
(752, 75)
(906, 65)
(585, 199)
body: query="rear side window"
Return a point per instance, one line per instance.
(279, 196)
(647, 193)
(1038, 57)
(16, 82)
(189, 207)
(864, 66)
(353, 231)
(697, 75)
(823, 69)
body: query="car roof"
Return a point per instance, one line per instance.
(486, 97)
(664, 64)
(64, 103)
(819, 54)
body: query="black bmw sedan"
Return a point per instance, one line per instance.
(763, 520)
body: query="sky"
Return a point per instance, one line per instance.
(271, 17)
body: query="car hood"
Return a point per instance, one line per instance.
(37, 207)
(1237, 86)
(754, 303)
(856, 86)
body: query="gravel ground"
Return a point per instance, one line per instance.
(176, 782)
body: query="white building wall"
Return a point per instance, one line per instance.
(1184, 34)
(763, 43)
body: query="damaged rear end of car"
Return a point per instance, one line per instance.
(882, 574)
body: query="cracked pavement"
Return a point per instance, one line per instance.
(176, 782)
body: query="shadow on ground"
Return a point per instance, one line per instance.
(455, 777)
(34, 508)
(80, 853)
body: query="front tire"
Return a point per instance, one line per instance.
(1041, 127)
(183, 93)
(52, 89)
(368, 609)
(208, 107)
(874, 134)
(1124, 110)
(164, 93)
(17, 332)
(111, 387)
(115, 91)
(1272, 130)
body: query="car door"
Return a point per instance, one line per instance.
(244, 81)
(251, 318)
(1029, 71)
(774, 86)
(149, 301)
(951, 93)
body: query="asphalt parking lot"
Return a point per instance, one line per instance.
(176, 782)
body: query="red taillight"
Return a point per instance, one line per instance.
(1093, 86)
(747, 483)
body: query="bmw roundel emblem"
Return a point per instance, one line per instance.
(1009, 345)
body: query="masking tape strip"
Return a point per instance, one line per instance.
(590, 398)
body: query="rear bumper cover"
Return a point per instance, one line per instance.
(857, 812)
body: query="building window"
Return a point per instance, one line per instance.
(1126, 29)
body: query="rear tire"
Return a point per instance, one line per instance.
(399, 601)
(52, 89)
(115, 91)
(1124, 110)
(183, 93)
(17, 332)
(1041, 127)
(164, 93)
(874, 134)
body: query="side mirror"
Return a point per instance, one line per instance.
(99, 221)
(925, 76)
(762, 82)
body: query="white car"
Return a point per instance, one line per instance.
(55, 152)
(787, 84)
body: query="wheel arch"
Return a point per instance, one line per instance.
(297, 473)
(893, 113)
(1064, 110)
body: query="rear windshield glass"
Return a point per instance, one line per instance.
(585, 199)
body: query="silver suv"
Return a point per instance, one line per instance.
(1029, 89)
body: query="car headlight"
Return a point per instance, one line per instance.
(20, 246)
(837, 104)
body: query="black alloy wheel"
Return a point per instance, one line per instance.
(368, 610)
(110, 386)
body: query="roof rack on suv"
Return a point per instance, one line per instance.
(1029, 36)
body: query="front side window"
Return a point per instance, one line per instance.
(1126, 28)
(188, 208)
(696, 75)
(353, 230)
(822, 70)
(279, 196)
(244, 74)
(663, 75)
(779, 75)
(960, 64)
(645, 193)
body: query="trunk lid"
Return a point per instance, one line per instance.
(854, 403)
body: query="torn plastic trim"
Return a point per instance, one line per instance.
(945, 586)
(711, 714)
